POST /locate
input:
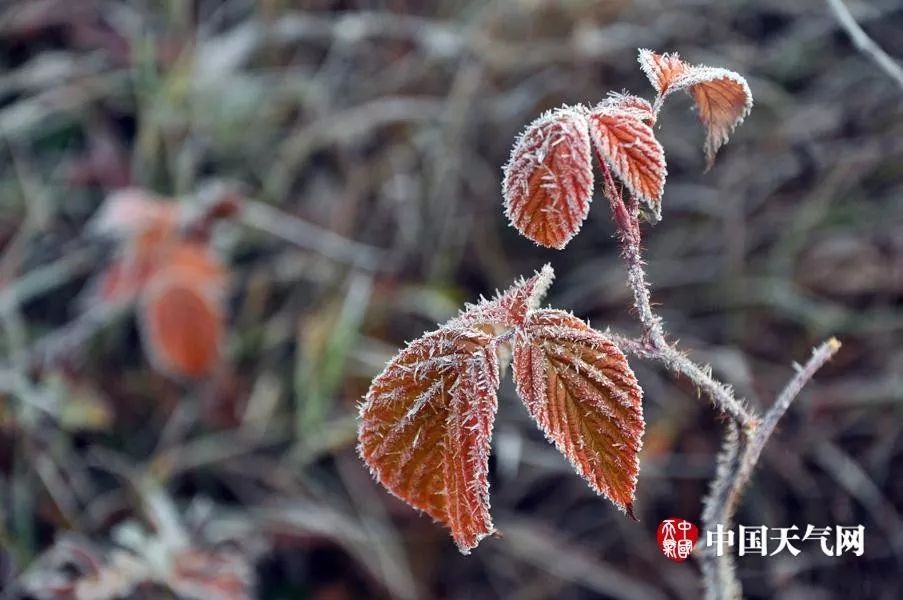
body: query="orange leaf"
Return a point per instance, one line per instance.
(629, 148)
(147, 227)
(181, 314)
(723, 100)
(636, 106)
(508, 308)
(181, 328)
(192, 260)
(178, 281)
(722, 96)
(548, 182)
(119, 284)
(426, 425)
(578, 387)
(662, 69)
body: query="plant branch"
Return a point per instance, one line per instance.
(303, 234)
(676, 361)
(654, 345)
(736, 464)
(761, 434)
(864, 43)
(718, 572)
(746, 435)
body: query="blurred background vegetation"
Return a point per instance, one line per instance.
(366, 138)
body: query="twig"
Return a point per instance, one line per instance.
(721, 394)
(654, 345)
(344, 126)
(820, 356)
(864, 43)
(531, 544)
(851, 476)
(736, 464)
(676, 361)
(306, 235)
(42, 279)
(49, 349)
(718, 572)
(746, 434)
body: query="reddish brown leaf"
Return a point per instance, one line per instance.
(508, 308)
(181, 316)
(722, 97)
(579, 388)
(723, 100)
(181, 329)
(629, 148)
(120, 283)
(548, 182)
(662, 69)
(426, 425)
(638, 107)
(193, 261)
(178, 281)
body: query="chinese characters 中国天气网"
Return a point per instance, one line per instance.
(769, 541)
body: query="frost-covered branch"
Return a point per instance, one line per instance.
(746, 435)
(738, 460)
(654, 344)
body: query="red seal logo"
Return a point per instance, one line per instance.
(676, 538)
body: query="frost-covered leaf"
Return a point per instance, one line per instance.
(426, 425)
(508, 308)
(636, 106)
(578, 387)
(662, 69)
(548, 181)
(723, 100)
(629, 148)
(722, 97)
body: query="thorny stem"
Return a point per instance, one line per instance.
(718, 575)
(746, 434)
(702, 378)
(758, 439)
(736, 463)
(654, 345)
